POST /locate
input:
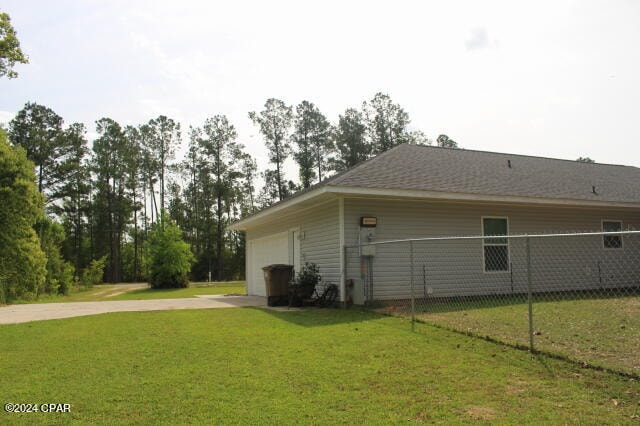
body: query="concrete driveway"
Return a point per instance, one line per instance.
(14, 314)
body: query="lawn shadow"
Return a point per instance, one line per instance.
(542, 359)
(149, 290)
(465, 303)
(321, 317)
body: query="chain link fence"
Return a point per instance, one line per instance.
(572, 295)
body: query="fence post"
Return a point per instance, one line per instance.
(529, 294)
(343, 277)
(413, 294)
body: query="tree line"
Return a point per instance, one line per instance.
(101, 200)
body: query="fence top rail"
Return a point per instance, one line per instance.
(484, 237)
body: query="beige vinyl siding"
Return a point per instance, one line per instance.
(456, 267)
(321, 242)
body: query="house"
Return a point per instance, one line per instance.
(415, 191)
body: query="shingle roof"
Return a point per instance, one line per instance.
(476, 173)
(430, 168)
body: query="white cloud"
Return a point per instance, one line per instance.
(6, 117)
(479, 39)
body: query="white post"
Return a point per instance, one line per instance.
(413, 293)
(529, 294)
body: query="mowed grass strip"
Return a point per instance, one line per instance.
(254, 366)
(106, 292)
(230, 287)
(96, 293)
(603, 332)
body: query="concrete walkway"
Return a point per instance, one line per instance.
(14, 314)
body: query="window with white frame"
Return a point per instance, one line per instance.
(612, 241)
(495, 250)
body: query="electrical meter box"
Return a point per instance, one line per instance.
(368, 235)
(358, 292)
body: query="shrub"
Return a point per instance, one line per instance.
(59, 272)
(309, 275)
(66, 278)
(304, 284)
(94, 273)
(169, 257)
(4, 285)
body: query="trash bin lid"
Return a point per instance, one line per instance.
(276, 267)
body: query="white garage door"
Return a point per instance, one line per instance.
(262, 252)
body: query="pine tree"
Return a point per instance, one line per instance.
(351, 144)
(386, 123)
(164, 139)
(38, 130)
(312, 138)
(274, 122)
(222, 154)
(246, 188)
(444, 141)
(75, 205)
(585, 160)
(112, 204)
(135, 182)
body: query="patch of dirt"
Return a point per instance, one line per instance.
(632, 307)
(118, 292)
(481, 413)
(517, 387)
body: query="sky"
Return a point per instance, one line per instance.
(548, 78)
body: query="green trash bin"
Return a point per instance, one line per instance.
(276, 279)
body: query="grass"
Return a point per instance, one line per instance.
(254, 366)
(599, 331)
(80, 294)
(232, 287)
(105, 292)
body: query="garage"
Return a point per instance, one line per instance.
(261, 252)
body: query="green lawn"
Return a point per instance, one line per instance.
(599, 331)
(232, 287)
(104, 292)
(255, 366)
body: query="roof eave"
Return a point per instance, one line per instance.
(243, 224)
(260, 217)
(455, 196)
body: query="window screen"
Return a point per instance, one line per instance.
(496, 250)
(611, 241)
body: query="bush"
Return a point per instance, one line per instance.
(169, 257)
(59, 272)
(309, 275)
(129, 271)
(66, 279)
(94, 273)
(305, 283)
(4, 285)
